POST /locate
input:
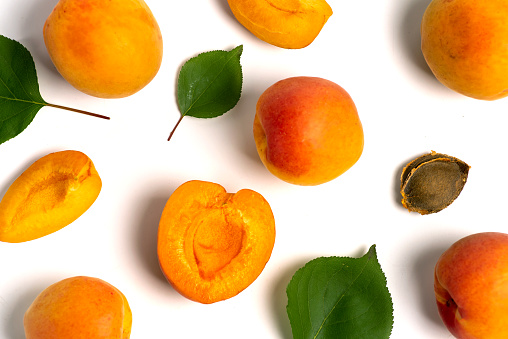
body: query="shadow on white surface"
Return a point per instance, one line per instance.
(146, 235)
(423, 275)
(280, 300)
(33, 26)
(410, 36)
(15, 330)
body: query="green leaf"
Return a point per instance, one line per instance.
(340, 297)
(20, 99)
(210, 84)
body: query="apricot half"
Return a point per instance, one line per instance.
(213, 244)
(79, 308)
(49, 195)
(282, 23)
(107, 49)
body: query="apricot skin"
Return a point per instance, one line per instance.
(213, 244)
(464, 44)
(107, 49)
(471, 286)
(49, 195)
(307, 130)
(79, 308)
(283, 23)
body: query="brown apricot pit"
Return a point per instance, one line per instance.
(432, 182)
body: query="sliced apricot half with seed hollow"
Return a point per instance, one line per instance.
(212, 244)
(50, 194)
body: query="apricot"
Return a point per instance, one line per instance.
(464, 44)
(307, 130)
(471, 286)
(283, 23)
(107, 49)
(49, 195)
(213, 244)
(79, 308)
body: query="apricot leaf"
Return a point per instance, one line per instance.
(20, 99)
(209, 84)
(340, 297)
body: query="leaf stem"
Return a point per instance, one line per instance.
(78, 111)
(174, 128)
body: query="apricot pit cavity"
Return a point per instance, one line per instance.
(432, 182)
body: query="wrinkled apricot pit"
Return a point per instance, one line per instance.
(213, 244)
(49, 195)
(431, 182)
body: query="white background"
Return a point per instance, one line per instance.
(371, 49)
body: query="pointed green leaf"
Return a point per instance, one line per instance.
(20, 99)
(340, 297)
(210, 84)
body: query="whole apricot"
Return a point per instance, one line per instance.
(107, 49)
(213, 244)
(307, 130)
(464, 44)
(79, 308)
(49, 195)
(471, 286)
(282, 23)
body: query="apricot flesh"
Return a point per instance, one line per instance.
(107, 49)
(79, 308)
(471, 286)
(307, 130)
(213, 244)
(49, 195)
(464, 44)
(283, 23)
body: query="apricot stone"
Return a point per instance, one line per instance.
(464, 43)
(471, 286)
(79, 308)
(49, 195)
(213, 244)
(307, 130)
(283, 23)
(108, 49)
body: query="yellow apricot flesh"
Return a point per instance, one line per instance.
(49, 195)
(283, 23)
(107, 49)
(213, 244)
(79, 308)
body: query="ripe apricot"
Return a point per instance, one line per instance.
(307, 130)
(108, 49)
(282, 23)
(464, 43)
(79, 308)
(49, 195)
(213, 244)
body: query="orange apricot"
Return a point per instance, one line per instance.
(49, 195)
(79, 308)
(307, 130)
(213, 244)
(283, 23)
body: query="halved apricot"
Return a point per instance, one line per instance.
(213, 244)
(49, 195)
(282, 23)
